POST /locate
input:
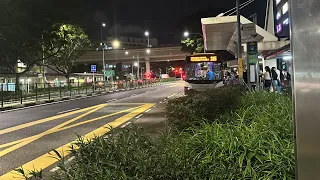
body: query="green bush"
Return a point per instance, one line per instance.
(206, 106)
(253, 142)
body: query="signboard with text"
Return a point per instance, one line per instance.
(108, 73)
(249, 29)
(252, 52)
(203, 59)
(93, 68)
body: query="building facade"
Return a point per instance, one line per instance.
(281, 14)
(130, 42)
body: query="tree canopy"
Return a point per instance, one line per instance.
(73, 43)
(194, 45)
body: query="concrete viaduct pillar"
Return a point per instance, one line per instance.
(147, 59)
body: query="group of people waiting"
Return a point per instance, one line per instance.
(273, 79)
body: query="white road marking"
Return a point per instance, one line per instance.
(148, 110)
(70, 159)
(133, 95)
(68, 111)
(160, 102)
(54, 169)
(126, 124)
(139, 116)
(171, 96)
(111, 100)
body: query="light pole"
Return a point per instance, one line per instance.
(240, 63)
(147, 34)
(103, 46)
(187, 34)
(102, 26)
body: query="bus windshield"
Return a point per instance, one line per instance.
(203, 71)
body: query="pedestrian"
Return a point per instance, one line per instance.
(267, 78)
(275, 74)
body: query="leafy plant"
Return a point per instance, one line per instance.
(205, 106)
(255, 141)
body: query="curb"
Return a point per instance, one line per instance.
(63, 99)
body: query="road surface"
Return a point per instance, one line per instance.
(27, 135)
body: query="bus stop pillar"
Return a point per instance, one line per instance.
(305, 43)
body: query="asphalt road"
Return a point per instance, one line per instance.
(27, 135)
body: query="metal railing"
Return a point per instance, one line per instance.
(11, 95)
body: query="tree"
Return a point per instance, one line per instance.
(74, 43)
(25, 28)
(194, 45)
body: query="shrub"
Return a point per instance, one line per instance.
(206, 106)
(253, 142)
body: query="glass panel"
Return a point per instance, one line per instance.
(204, 71)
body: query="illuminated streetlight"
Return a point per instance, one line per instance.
(115, 44)
(135, 64)
(147, 34)
(126, 52)
(186, 34)
(148, 51)
(103, 24)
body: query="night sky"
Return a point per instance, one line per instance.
(164, 19)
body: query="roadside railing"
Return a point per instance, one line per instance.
(32, 93)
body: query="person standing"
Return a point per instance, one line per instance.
(275, 74)
(267, 78)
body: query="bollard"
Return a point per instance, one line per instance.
(21, 98)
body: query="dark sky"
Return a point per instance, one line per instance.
(164, 19)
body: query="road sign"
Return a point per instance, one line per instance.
(109, 73)
(93, 68)
(249, 29)
(252, 51)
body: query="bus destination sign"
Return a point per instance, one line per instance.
(203, 59)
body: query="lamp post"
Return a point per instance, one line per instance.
(187, 34)
(240, 63)
(103, 46)
(102, 26)
(147, 34)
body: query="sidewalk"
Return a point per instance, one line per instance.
(154, 121)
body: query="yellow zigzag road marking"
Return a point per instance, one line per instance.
(46, 160)
(50, 131)
(22, 126)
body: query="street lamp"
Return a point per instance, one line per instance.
(102, 26)
(186, 34)
(126, 53)
(135, 64)
(148, 51)
(115, 44)
(147, 34)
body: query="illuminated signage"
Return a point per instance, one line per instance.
(204, 59)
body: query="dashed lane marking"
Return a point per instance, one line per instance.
(62, 112)
(148, 110)
(139, 116)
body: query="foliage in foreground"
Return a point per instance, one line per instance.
(253, 142)
(189, 111)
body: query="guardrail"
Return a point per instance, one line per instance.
(33, 93)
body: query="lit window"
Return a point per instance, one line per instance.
(285, 8)
(279, 28)
(279, 15)
(286, 21)
(278, 1)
